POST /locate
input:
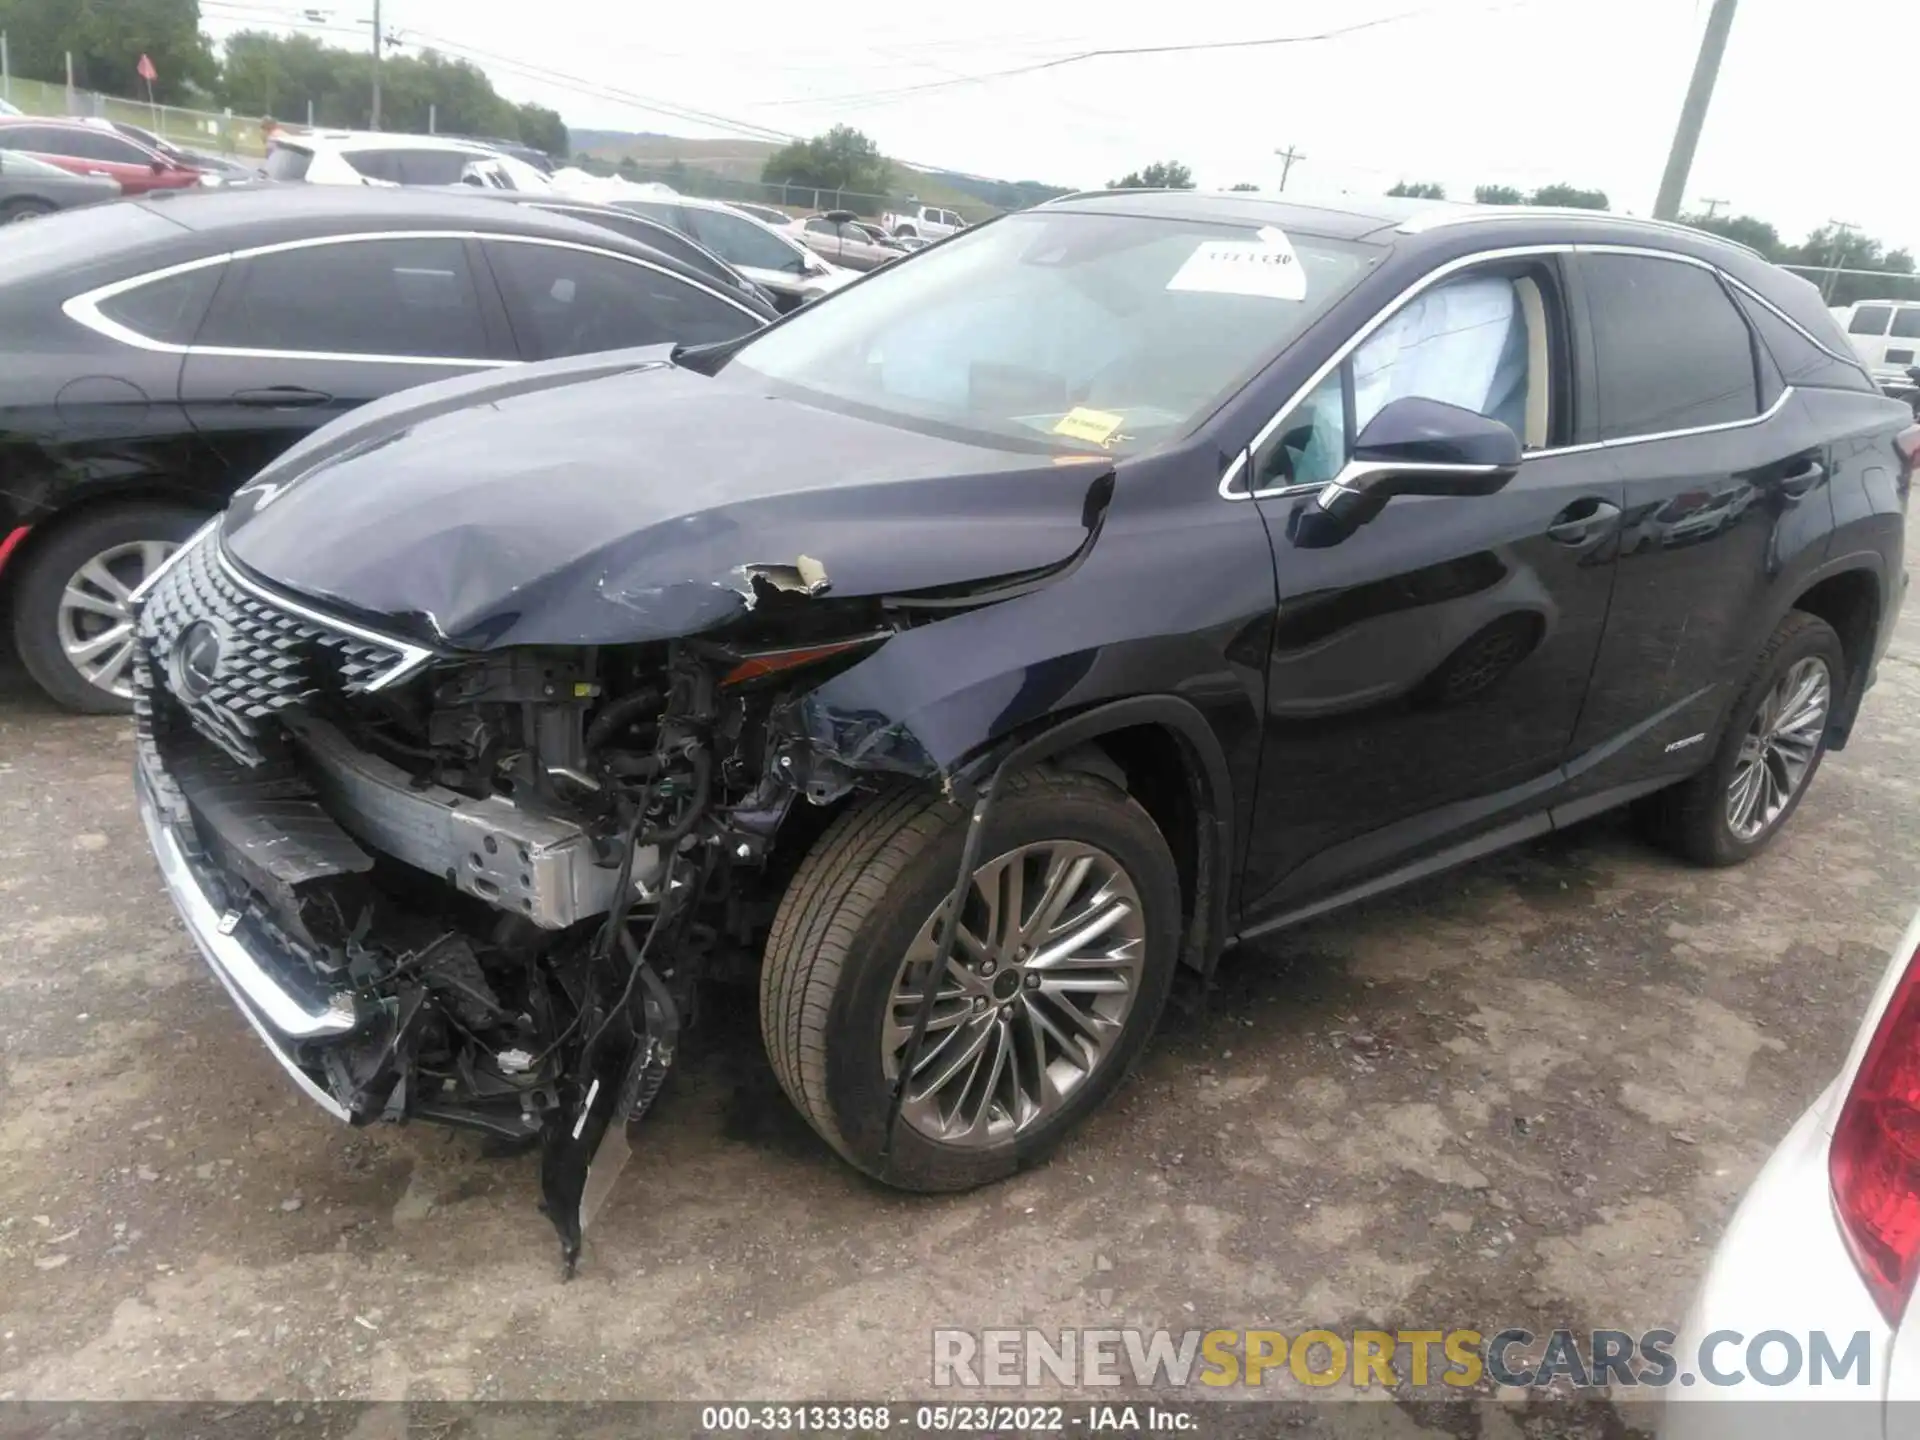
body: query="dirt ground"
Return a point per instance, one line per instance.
(1527, 1093)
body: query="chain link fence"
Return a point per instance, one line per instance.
(190, 129)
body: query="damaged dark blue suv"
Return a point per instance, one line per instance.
(964, 654)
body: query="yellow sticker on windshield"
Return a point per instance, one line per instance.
(1094, 426)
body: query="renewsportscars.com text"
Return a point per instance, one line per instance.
(1363, 1359)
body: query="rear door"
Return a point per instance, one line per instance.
(300, 334)
(1726, 489)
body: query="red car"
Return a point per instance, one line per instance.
(90, 150)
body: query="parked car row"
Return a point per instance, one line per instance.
(162, 352)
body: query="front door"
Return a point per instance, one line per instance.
(1427, 671)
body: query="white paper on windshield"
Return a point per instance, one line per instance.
(1264, 266)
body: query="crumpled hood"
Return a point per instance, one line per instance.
(614, 499)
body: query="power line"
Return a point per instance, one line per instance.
(1110, 52)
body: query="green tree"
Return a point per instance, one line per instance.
(1745, 229)
(1161, 175)
(106, 39)
(1498, 195)
(544, 130)
(1570, 197)
(1830, 249)
(1244, 185)
(841, 159)
(1419, 190)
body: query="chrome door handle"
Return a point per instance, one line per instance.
(1583, 521)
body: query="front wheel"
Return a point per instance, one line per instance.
(1064, 957)
(1775, 738)
(25, 208)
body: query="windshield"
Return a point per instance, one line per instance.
(1108, 330)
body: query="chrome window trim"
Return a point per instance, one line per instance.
(412, 656)
(84, 308)
(1453, 267)
(1440, 217)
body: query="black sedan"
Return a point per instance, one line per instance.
(30, 188)
(161, 351)
(651, 233)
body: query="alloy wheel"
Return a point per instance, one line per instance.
(1044, 973)
(1779, 748)
(95, 620)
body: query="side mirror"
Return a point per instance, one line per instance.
(1413, 446)
(159, 166)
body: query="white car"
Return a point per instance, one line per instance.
(1821, 1256)
(7, 108)
(773, 259)
(355, 157)
(1886, 336)
(922, 222)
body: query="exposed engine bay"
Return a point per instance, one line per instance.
(491, 884)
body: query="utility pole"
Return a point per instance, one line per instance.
(376, 65)
(6, 70)
(1840, 229)
(1693, 114)
(1288, 156)
(1713, 206)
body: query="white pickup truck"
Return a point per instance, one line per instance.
(923, 222)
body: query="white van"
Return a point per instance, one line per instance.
(1886, 336)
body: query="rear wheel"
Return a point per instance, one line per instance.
(71, 621)
(24, 208)
(1775, 738)
(1062, 966)
(905, 232)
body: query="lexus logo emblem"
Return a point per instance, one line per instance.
(195, 661)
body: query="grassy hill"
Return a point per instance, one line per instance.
(730, 169)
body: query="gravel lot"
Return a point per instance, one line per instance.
(1528, 1093)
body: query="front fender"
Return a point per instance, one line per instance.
(1166, 621)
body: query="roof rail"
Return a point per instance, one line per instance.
(1462, 214)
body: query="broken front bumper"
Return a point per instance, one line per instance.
(286, 1020)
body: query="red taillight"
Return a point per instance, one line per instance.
(1874, 1162)
(11, 542)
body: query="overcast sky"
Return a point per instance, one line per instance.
(1466, 92)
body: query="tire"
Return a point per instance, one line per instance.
(869, 889)
(1693, 819)
(37, 619)
(25, 208)
(907, 232)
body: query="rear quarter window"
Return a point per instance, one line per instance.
(168, 310)
(1801, 361)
